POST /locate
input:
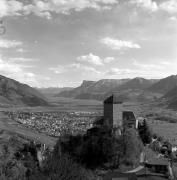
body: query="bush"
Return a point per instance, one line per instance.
(132, 147)
(63, 167)
(145, 132)
(93, 150)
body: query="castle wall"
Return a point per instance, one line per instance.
(108, 114)
(117, 115)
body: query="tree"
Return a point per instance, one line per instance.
(145, 132)
(94, 149)
(132, 147)
(63, 167)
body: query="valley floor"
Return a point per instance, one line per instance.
(162, 121)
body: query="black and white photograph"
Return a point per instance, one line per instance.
(88, 89)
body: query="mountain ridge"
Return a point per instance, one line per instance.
(16, 93)
(164, 85)
(104, 87)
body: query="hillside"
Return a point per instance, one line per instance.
(76, 91)
(126, 89)
(16, 93)
(164, 85)
(171, 98)
(173, 104)
(172, 94)
(136, 83)
(106, 85)
(93, 87)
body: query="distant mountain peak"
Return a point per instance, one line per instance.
(87, 83)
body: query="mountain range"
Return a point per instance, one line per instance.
(139, 89)
(103, 88)
(15, 93)
(136, 89)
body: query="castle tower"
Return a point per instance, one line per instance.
(113, 112)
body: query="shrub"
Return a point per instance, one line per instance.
(132, 147)
(145, 132)
(63, 167)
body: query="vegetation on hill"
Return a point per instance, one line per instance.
(62, 167)
(101, 89)
(173, 105)
(132, 147)
(164, 85)
(172, 94)
(93, 87)
(13, 92)
(74, 157)
(136, 83)
(100, 148)
(145, 132)
(18, 161)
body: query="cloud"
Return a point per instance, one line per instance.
(166, 63)
(160, 68)
(9, 68)
(147, 4)
(58, 70)
(109, 59)
(44, 8)
(169, 6)
(148, 66)
(21, 50)
(73, 67)
(117, 44)
(17, 72)
(173, 18)
(10, 8)
(91, 58)
(9, 43)
(117, 71)
(84, 68)
(20, 59)
(94, 59)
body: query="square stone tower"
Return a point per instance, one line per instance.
(113, 112)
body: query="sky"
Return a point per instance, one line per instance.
(59, 43)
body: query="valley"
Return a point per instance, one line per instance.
(163, 121)
(62, 118)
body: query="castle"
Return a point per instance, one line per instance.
(116, 116)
